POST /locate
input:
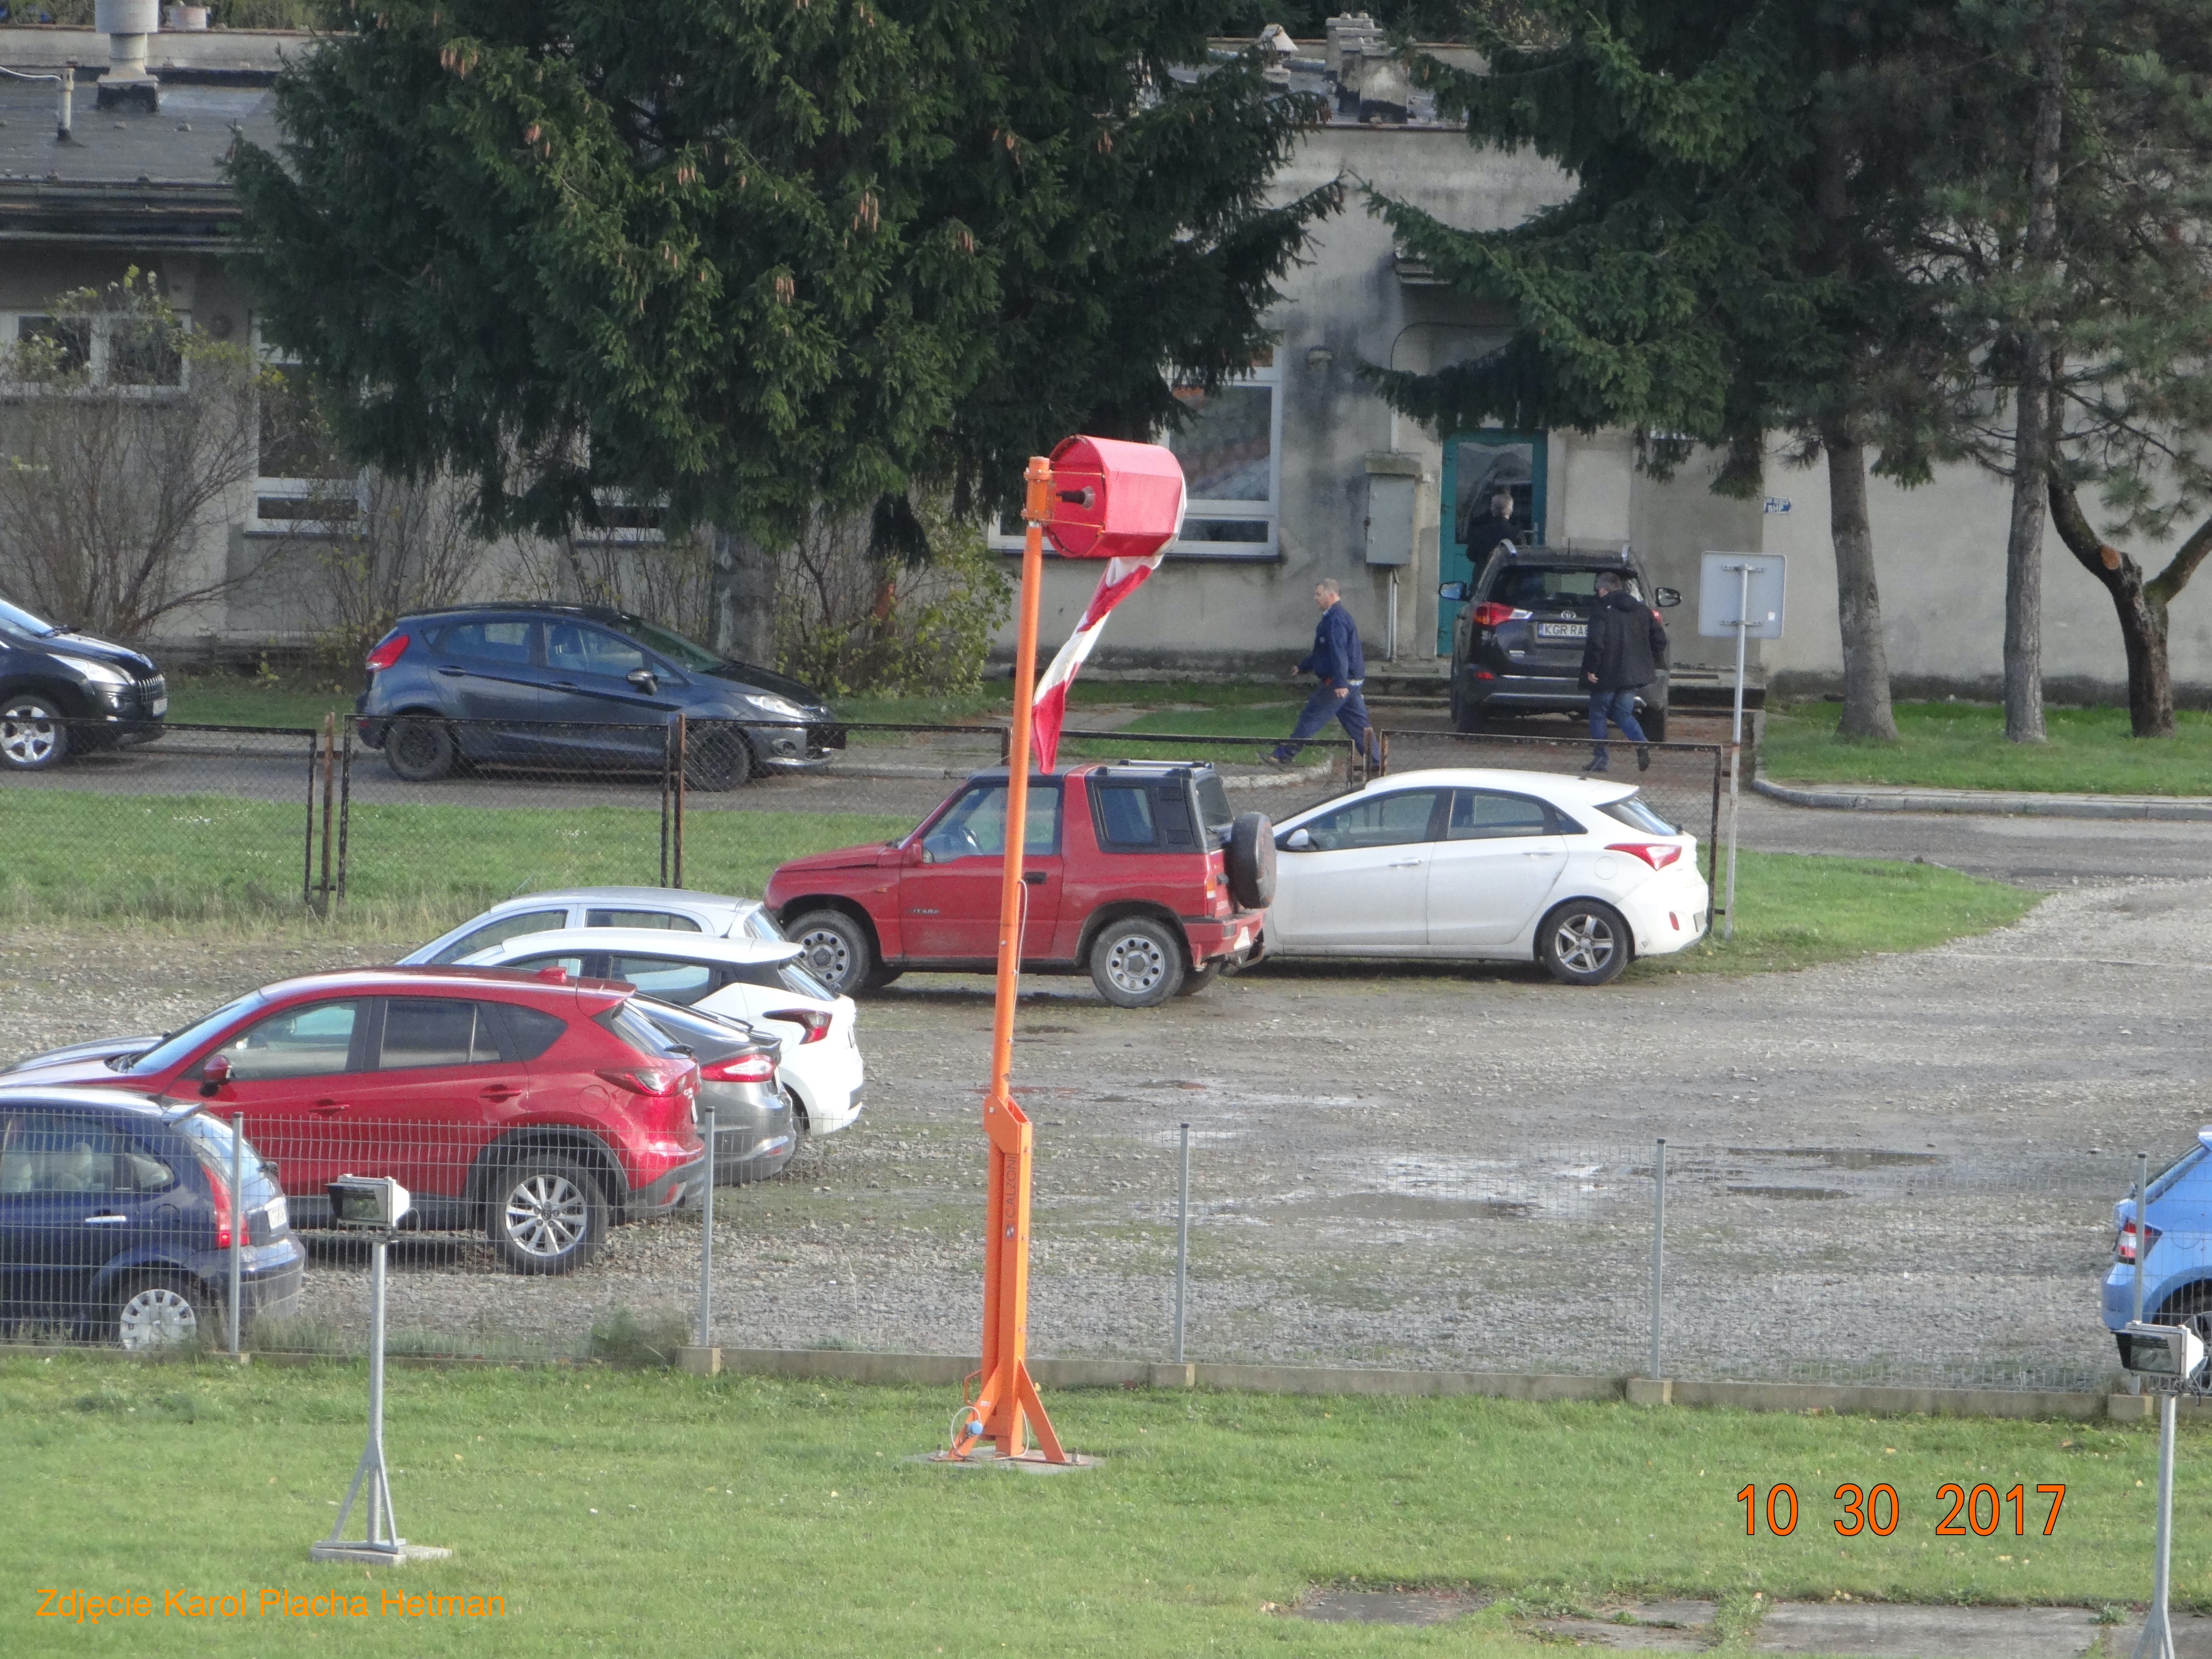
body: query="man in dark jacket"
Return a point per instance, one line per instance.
(1479, 535)
(1621, 654)
(1341, 666)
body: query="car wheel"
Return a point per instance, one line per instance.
(838, 951)
(717, 757)
(159, 1313)
(1654, 722)
(1251, 858)
(1198, 978)
(2191, 1306)
(1465, 716)
(547, 1216)
(1582, 942)
(419, 749)
(32, 734)
(1136, 963)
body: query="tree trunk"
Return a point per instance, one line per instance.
(1858, 595)
(2023, 634)
(741, 598)
(2141, 605)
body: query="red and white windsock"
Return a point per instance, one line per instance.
(1120, 578)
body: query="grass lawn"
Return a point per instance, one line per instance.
(645, 1512)
(1797, 910)
(1958, 745)
(211, 858)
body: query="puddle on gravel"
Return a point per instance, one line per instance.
(1839, 1158)
(1788, 1192)
(1415, 1207)
(1409, 1607)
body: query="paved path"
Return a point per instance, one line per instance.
(2007, 803)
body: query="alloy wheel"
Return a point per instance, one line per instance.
(547, 1214)
(29, 734)
(1585, 942)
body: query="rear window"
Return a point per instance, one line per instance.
(211, 1137)
(761, 925)
(635, 1029)
(506, 642)
(531, 1031)
(1144, 815)
(796, 978)
(436, 1031)
(1214, 806)
(1632, 812)
(1529, 587)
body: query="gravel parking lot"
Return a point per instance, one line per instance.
(1899, 1168)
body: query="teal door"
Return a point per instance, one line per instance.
(1477, 465)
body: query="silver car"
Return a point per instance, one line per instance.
(756, 1133)
(717, 915)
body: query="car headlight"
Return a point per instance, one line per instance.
(781, 709)
(98, 672)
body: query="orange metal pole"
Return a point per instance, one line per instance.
(1007, 1404)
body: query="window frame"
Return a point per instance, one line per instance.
(270, 487)
(99, 355)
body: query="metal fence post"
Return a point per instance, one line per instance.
(345, 798)
(1182, 1241)
(330, 809)
(667, 768)
(707, 1239)
(1658, 1252)
(682, 756)
(235, 1318)
(2143, 1186)
(307, 849)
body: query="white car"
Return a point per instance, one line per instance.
(718, 916)
(1487, 866)
(749, 979)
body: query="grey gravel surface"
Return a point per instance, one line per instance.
(1898, 1169)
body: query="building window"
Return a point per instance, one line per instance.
(304, 483)
(1231, 451)
(624, 518)
(106, 351)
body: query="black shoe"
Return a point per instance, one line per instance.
(1643, 757)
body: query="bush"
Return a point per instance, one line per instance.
(636, 1340)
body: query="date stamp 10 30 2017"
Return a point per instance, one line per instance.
(1978, 1511)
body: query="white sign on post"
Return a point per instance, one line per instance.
(1739, 595)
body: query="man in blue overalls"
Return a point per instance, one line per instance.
(1337, 660)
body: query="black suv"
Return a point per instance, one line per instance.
(564, 684)
(61, 691)
(1517, 646)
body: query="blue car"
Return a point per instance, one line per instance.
(115, 1216)
(2176, 1265)
(564, 685)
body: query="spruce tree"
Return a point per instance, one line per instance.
(758, 260)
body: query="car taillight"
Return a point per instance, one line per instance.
(389, 650)
(219, 1195)
(2125, 1250)
(816, 1023)
(1656, 853)
(643, 1080)
(740, 1068)
(1491, 615)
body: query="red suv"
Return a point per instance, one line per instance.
(1138, 874)
(540, 1107)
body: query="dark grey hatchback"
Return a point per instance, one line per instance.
(551, 685)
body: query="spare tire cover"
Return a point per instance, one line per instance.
(1251, 859)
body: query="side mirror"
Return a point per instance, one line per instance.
(643, 679)
(1455, 592)
(1667, 598)
(213, 1074)
(1298, 842)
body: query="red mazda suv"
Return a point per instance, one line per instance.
(540, 1107)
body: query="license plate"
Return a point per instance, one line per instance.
(160, 705)
(278, 1216)
(1562, 630)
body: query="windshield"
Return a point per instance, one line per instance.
(23, 622)
(172, 1048)
(685, 654)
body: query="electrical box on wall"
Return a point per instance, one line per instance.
(1392, 479)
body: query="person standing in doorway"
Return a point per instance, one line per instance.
(1482, 534)
(1338, 662)
(1621, 654)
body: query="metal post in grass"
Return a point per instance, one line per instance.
(2142, 1186)
(1182, 1241)
(345, 797)
(682, 758)
(234, 1318)
(706, 1238)
(667, 768)
(2156, 1641)
(1658, 1251)
(330, 811)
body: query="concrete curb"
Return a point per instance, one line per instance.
(1995, 803)
(950, 1370)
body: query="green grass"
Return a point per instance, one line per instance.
(630, 1512)
(1798, 910)
(1960, 745)
(211, 858)
(237, 700)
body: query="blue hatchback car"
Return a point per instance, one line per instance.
(2176, 1263)
(564, 685)
(115, 1220)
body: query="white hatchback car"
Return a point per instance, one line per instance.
(718, 916)
(1488, 865)
(762, 983)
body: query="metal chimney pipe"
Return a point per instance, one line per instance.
(69, 99)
